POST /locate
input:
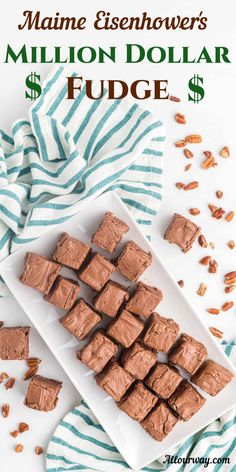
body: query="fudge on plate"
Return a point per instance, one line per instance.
(39, 273)
(125, 329)
(63, 293)
(182, 232)
(70, 252)
(138, 360)
(186, 400)
(110, 299)
(14, 343)
(212, 377)
(97, 272)
(188, 353)
(161, 333)
(109, 232)
(42, 394)
(114, 380)
(133, 261)
(138, 402)
(97, 352)
(81, 319)
(160, 421)
(144, 300)
(163, 380)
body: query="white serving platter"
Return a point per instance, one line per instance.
(135, 445)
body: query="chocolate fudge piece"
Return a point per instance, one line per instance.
(97, 272)
(97, 352)
(14, 343)
(138, 403)
(109, 232)
(144, 300)
(39, 273)
(182, 232)
(161, 333)
(133, 261)
(70, 252)
(212, 377)
(159, 422)
(188, 353)
(114, 380)
(110, 299)
(186, 400)
(125, 329)
(138, 360)
(42, 394)
(63, 293)
(163, 380)
(81, 319)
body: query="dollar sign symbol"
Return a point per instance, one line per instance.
(195, 87)
(31, 83)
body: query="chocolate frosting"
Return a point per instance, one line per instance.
(114, 380)
(110, 232)
(182, 232)
(144, 300)
(39, 273)
(186, 401)
(97, 272)
(139, 402)
(163, 380)
(212, 377)
(188, 353)
(111, 298)
(159, 422)
(14, 343)
(80, 320)
(125, 329)
(133, 261)
(138, 360)
(161, 333)
(42, 393)
(70, 251)
(97, 352)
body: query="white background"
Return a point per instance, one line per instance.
(214, 118)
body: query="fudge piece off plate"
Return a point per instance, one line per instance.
(126, 434)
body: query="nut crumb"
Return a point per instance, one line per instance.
(38, 450)
(23, 427)
(10, 383)
(179, 118)
(187, 167)
(1, 323)
(181, 283)
(225, 152)
(188, 154)
(213, 266)
(212, 245)
(202, 289)
(229, 216)
(219, 194)
(194, 211)
(19, 448)
(172, 98)
(213, 311)
(5, 410)
(231, 244)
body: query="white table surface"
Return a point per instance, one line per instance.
(214, 118)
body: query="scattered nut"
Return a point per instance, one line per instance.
(38, 450)
(212, 245)
(14, 434)
(212, 207)
(209, 162)
(202, 241)
(31, 372)
(19, 448)
(188, 154)
(5, 410)
(181, 283)
(181, 143)
(1, 323)
(180, 185)
(179, 118)
(10, 383)
(230, 281)
(191, 185)
(227, 305)
(205, 260)
(213, 267)
(23, 427)
(187, 167)
(216, 332)
(229, 288)
(219, 194)
(230, 278)
(202, 290)
(4, 375)
(225, 152)
(229, 216)
(231, 244)
(193, 138)
(213, 311)
(32, 361)
(194, 211)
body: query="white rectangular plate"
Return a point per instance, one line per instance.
(135, 445)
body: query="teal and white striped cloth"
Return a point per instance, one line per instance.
(80, 443)
(70, 151)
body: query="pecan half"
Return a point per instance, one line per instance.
(191, 185)
(187, 167)
(32, 361)
(193, 138)
(31, 372)
(180, 185)
(205, 260)
(23, 427)
(216, 332)
(219, 194)
(202, 290)
(181, 143)
(10, 383)
(213, 311)
(227, 305)
(38, 450)
(188, 154)
(209, 162)
(14, 434)
(218, 213)
(202, 241)
(194, 211)
(179, 118)
(230, 288)
(19, 448)
(213, 266)
(229, 216)
(5, 410)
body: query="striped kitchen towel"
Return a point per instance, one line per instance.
(70, 151)
(80, 443)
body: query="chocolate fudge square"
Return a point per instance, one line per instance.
(125, 329)
(144, 300)
(81, 319)
(186, 400)
(138, 360)
(212, 377)
(14, 343)
(163, 380)
(139, 402)
(109, 232)
(97, 272)
(182, 232)
(133, 261)
(114, 380)
(39, 273)
(161, 333)
(188, 353)
(160, 422)
(97, 352)
(110, 299)
(63, 293)
(42, 394)
(70, 252)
